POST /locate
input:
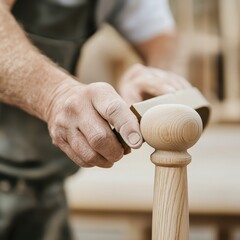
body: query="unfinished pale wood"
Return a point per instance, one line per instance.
(171, 129)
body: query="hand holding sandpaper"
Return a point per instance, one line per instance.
(80, 116)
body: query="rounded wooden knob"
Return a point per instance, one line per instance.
(171, 127)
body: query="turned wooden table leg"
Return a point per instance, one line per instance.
(171, 129)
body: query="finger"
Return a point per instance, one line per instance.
(147, 87)
(167, 78)
(134, 71)
(154, 86)
(173, 79)
(181, 80)
(59, 139)
(177, 80)
(112, 108)
(81, 147)
(100, 137)
(130, 94)
(65, 147)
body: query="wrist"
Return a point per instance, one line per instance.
(58, 93)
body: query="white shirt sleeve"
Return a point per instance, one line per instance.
(136, 20)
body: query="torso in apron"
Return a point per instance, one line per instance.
(59, 31)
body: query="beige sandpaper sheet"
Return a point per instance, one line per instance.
(191, 97)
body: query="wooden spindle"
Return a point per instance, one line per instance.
(171, 129)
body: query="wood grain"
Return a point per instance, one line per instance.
(171, 129)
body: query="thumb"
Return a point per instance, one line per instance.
(113, 109)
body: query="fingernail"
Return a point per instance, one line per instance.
(134, 138)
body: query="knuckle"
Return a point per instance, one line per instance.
(60, 120)
(74, 144)
(94, 159)
(85, 165)
(90, 158)
(58, 141)
(114, 108)
(98, 140)
(119, 155)
(71, 107)
(99, 87)
(80, 162)
(138, 68)
(51, 131)
(57, 138)
(116, 156)
(107, 165)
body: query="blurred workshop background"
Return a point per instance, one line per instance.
(115, 204)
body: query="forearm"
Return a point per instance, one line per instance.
(27, 78)
(159, 51)
(142, 82)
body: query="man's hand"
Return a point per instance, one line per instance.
(79, 119)
(78, 116)
(140, 83)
